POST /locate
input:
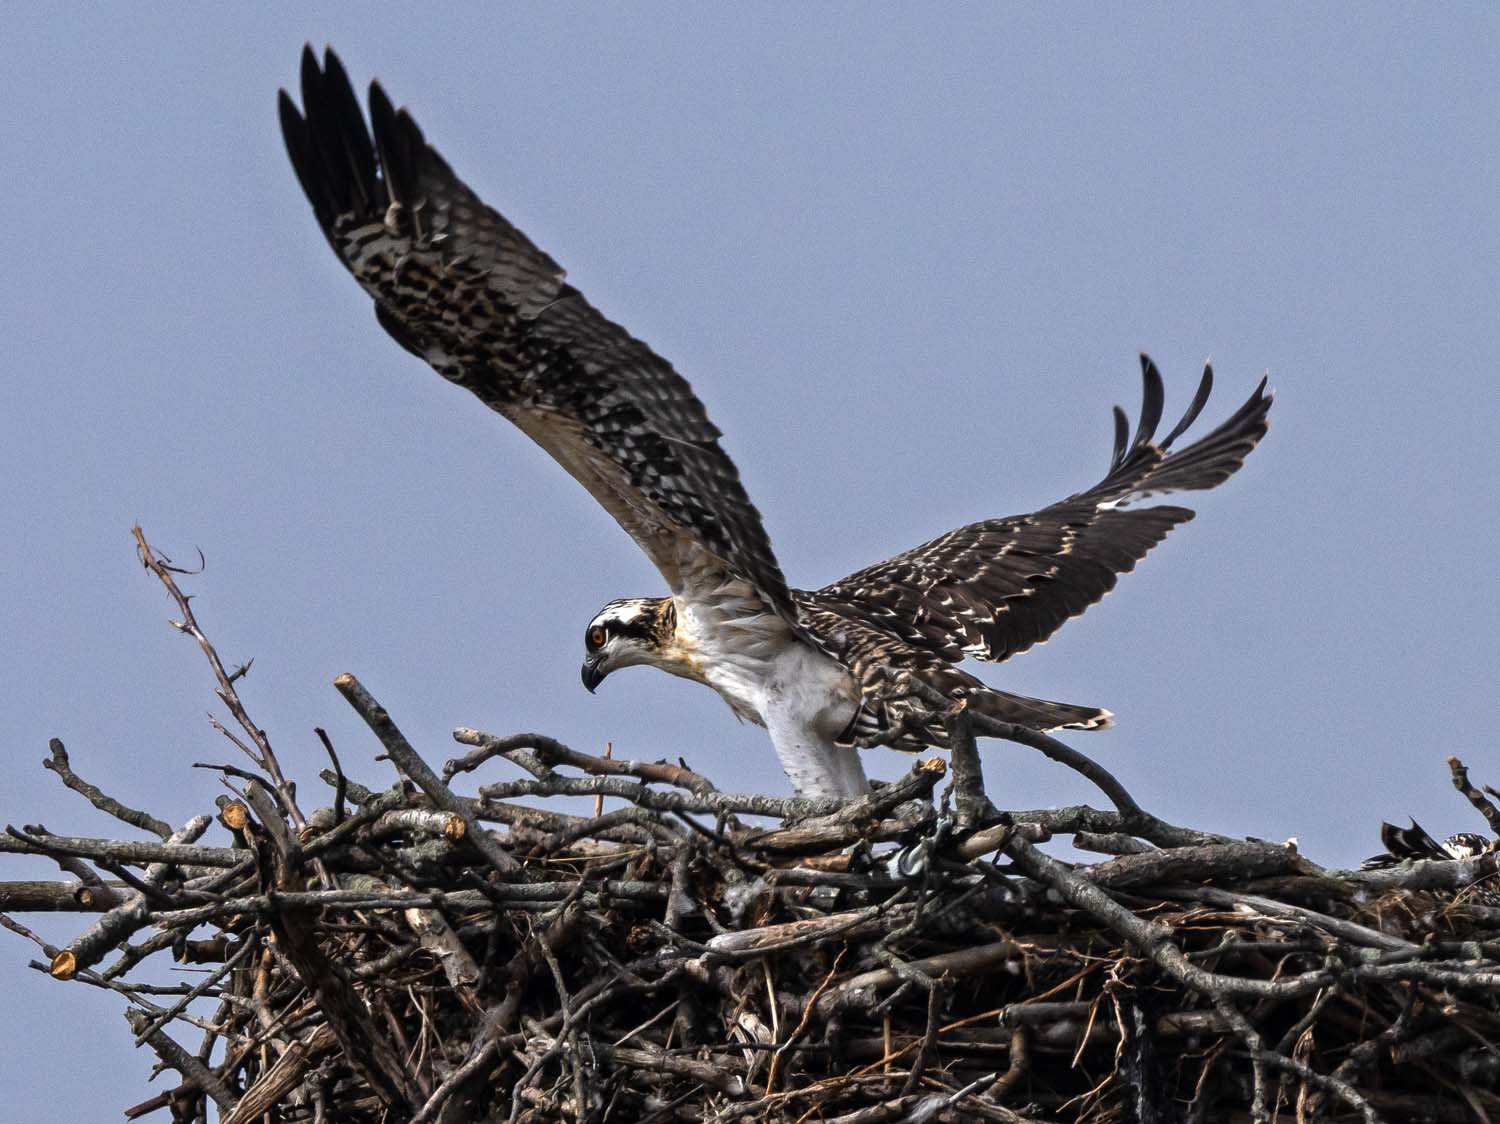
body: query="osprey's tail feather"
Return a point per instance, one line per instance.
(1038, 714)
(874, 723)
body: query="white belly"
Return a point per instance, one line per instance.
(762, 670)
(768, 676)
(799, 684)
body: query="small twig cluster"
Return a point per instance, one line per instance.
(414, 953)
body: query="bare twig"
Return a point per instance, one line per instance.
(59, 764)
(262, 754)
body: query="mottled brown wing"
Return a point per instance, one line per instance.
(995, 588)
(459, 286)
(892, 713)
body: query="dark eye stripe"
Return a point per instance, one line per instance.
(640, 626)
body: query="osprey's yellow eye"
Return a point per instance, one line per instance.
(596, 637)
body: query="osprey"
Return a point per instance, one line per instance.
(1402, 843)
(825, 671)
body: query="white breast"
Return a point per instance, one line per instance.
(728, 639)
(752, 659)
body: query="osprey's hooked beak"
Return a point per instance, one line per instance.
(593, 672)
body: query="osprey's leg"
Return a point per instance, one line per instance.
(817, 767)
(971, 807)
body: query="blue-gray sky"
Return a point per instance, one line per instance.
(907, 257)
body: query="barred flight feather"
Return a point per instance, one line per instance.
(456, 284)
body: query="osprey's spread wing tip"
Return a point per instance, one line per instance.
(346, 167)
(329, 144)
(995, 588)
(1200, 399)
(1149, 467)
(1153, 398)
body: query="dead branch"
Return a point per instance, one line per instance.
(416, 952)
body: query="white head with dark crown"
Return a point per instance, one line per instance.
(627, 632)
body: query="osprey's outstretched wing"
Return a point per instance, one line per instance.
(459, 286)
(995, 588)
(890, 713)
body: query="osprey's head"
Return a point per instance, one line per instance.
(630, 631)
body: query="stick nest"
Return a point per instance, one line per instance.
(418, 953)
